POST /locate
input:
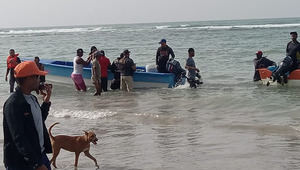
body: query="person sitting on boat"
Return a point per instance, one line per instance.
(292, 44)
(261, 62)
(162, 55)
(174, 67)
(96, 73)
(78, 64)
(115, 83)
(193, 70)
(288, 64)
(127, 68)
(105, 65)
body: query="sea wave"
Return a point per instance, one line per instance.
(227, 27)
(66, 113)
(55, 30)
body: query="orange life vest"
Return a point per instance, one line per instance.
(12, 61)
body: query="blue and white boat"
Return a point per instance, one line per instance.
(60, 72)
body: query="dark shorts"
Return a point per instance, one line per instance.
(45, 160)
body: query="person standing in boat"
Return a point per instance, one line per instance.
(292, 44)
(12, 61)
(162, 56)
(78, 64)
(115, 83)
(261, 62)
(105, 65)
(127, 68)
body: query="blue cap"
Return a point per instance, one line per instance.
(162, 41)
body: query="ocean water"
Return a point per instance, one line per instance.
(229, 123)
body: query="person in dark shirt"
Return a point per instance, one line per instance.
(162, 56)
(292, 44)
(127, 68)
(26, 139)
(288, 64)
(115, 83)
(261, 62)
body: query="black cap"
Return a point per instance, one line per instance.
(162, 41)
(126, 51)
(293, 33)
(80, 50)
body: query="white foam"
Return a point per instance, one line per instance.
(227, 27)
(162, 27)
(55, 30)
(66, 113)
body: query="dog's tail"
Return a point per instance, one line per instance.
(49, 131)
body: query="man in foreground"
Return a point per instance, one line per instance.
(26, 140)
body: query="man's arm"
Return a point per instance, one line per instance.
(157, 56)
(7, 71)
(81, 61)
(287, 46)
(171, 52)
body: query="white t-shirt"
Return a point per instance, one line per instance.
(77, 68)
(37, 117)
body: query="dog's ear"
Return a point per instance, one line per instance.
(85, 132)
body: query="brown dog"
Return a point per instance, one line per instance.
(75, 144)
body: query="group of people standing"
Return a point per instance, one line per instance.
(290, 63)
(123, 68)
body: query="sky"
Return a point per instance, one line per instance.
(39, 13)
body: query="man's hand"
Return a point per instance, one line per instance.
(43, 167)
(47, 95)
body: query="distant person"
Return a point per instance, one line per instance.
(127, 68)
(162, 55)
(193, 70)
(115, 83)
(261, 62)
(105, 65)
(96, 73)
(292, 44)
(26, 139)
(78, 64)
(41, 67)
(12, 61)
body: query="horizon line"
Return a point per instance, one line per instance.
(76, 25)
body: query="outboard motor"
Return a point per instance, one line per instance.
(282, 70)
(173, 66)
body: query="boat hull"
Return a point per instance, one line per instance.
(293, 78)
(60, 72)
